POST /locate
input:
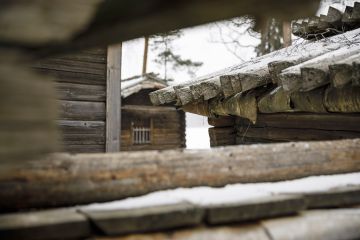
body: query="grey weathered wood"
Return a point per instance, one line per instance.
(125, 221)
(343, 196)
(356, 74)
(329, 121)
(83, 111)
(222, 136)
(222, 121)
(315, 72)
(311, 101)
(27, 110)
(255, 209)
(50, 224)
(345, 99)
(184, 95)
(81, 92)
(293, 134)
(71, 66)
(81, 127)
(83, 148)
(277, 100)
(74, 77)
(341, 72)
(241, 105)
(316, 224)
(113, 98)
(48, 183)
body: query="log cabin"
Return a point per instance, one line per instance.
(304, 92)
(82, 93)
(148, 127)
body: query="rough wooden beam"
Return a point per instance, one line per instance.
(311, 101)
(345, 99)
(113, 98)
(222, 121)
(277, 100)
(329, 121)
(65, 179)
(222, 136)
(291, 79)
(341, 72)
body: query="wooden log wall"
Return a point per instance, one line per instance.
(81, 92)
(284, 127)
(166, 123)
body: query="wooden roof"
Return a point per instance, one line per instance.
(271, 82)
(135, 84)
(334, 22)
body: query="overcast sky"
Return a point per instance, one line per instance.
(196, 44)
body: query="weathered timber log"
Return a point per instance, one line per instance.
(81, 92)
(81, 127)
(78, 110)
(276, 67)
(315, 72)
(312, 101)
(341, 72)
(241, 105)
(222, 136)
(221, 121)
(27, 111)
(199, 108)
(356, 74)
(293, 134)
(291, 78)
(73, 77)
(333, 17)
(64, 179)
(107, 22)
(67, 65)
(184, 95)
(346, 99)
(277, 100)
(329, 121)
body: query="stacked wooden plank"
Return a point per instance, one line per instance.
(335, 22)
(320, 77)
(81, 91)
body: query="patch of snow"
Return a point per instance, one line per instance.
(197, 138)
(233, 192)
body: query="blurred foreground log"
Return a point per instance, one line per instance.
(63, 179)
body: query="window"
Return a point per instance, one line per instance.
(141, 133)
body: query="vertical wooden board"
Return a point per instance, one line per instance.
(113, 98)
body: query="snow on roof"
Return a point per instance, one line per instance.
(134, 84)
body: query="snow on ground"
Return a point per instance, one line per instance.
(197, 138)
(233, 192)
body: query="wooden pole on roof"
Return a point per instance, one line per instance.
(146, 49)
(287, 33)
